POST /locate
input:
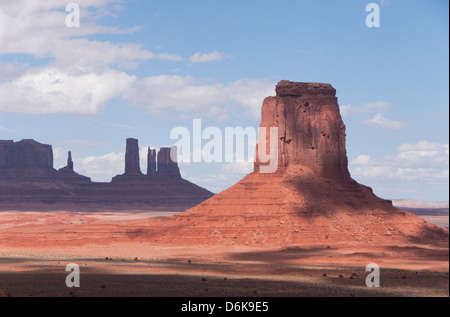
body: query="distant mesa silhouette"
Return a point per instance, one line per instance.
(28, 181)
(160, 166)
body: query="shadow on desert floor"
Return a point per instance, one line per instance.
(44, 278)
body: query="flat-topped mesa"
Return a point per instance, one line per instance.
(167, 167)
(310, 128)
(27, 179)
(132, 166)
(287, 88)
(25, 154)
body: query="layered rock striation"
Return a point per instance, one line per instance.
(160, 165)
(310, 128)
(168, 167)
(24, 160)
(24, 154)
(132, 166)
(68, 175)
(309, 199)
(29, 181)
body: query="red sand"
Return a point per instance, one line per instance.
(36, 246)
(54, 235)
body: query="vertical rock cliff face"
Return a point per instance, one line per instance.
(162, 188)
(166, 166)
(26, 160)
(69, 161)
(151, 162)
(68, 175)
(309, 199)
(132, 166)
(160, 166)
(25, 154)
(310, 128)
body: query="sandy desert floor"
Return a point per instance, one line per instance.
(35, 248)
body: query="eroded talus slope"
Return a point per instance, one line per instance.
(311, 198)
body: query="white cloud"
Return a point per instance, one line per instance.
(361, 160)
(373, 171)
(85, 54)
(38, 28)
(55, 90)
(423, 146)
(207, 57)
(423, 153)
(82, 75)
(345, 110)
(59, 157)
(377, 106)
(250, 94)
(189, 95)
(100, 168)
(380, 121)
(419, 167)
(238, 167)
(371, 107)
(89, 143)
(164, 92)
(217, 177)
(51, 90)
(11, 70)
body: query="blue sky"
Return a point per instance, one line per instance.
(140, 68)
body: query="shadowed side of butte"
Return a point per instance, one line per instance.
(311, 198)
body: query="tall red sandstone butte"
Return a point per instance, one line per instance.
(310, 199)
(310, 129)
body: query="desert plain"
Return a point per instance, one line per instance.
(306, 228)
(117, 259)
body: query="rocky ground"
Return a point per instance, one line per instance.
(305, 228)
(156, 278)
(116, 260)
